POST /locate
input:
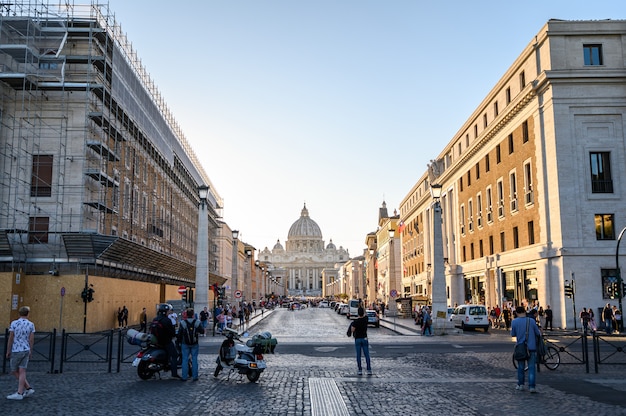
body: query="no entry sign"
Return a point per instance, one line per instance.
(182, 289)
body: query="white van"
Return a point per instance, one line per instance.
(353, 308)
(470, 316)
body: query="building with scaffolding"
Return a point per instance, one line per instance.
(99, 185)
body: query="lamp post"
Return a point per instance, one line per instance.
(620, 286)
(393, 291)
(438, 284)
(235, 286)
(202, 252)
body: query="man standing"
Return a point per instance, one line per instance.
(189, 330)
(204, 319)
(143, 320)
(525, 330)
(607, 317)
(359, 331)
(548, 313)
(20, 350)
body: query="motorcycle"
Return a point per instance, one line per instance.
(152, 359)
(244, 359)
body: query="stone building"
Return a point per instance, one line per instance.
(305, 265)
(99, 185)
(533, 180)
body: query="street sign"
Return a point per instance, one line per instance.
(182, 289)
(237, 293)
(63, 291)
(393, 293)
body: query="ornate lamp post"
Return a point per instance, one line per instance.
(438, 283)
(202, 252)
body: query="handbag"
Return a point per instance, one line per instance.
(521, 353)
(349, 333)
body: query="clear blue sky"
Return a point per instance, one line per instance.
(337, 103)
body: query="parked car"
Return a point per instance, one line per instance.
(323, 304)
(372, 318)
(338, 306)
(470, 317)
(343, 309)
(353, 309)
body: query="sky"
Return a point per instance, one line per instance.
(339, 104)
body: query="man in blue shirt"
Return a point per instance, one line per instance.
(521, 326)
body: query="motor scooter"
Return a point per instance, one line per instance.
(152, 359)
(244, 359)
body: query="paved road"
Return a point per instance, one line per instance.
(467, 378)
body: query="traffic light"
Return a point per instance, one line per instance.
(84, 295)
(184, 295)
(616, 290)
(569, 291)
(90, 294)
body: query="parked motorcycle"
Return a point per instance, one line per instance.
(244, 359)
(152, 359)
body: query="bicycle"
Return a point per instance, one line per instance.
(551, 358)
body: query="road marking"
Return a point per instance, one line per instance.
(327, 349)
(325, 398)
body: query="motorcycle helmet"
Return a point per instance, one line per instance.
(164, 309)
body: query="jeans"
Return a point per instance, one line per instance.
(608, 324)
(362, 344)
(173, 356)
(193, 350)
(532, 370)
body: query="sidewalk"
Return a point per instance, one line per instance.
(407, 326)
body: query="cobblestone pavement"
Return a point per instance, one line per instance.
(468, 383)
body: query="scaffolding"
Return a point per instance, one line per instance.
(89, 146)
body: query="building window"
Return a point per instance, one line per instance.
(528, 184)
(502, 245)
(481, 252)
(489, 205)
(500, 197)
(464, 255)
(469, 178)
(522, 80)
(513, 190)
(462, 219)
(525, 132)
(472, 251)
(479, 210)
(38, 230)
(491, 245)
(485, 120)
(531, 233)
(592, 55)
(41, 176)
(609, 280)
(604, 226)
(508, 95)
(470, 213)
(601, 181)
(477, 170)
(461, 184)
(515, 237)
(511, 148)
(487, 167)
(467, 142)
(475, 130)
(498, 154)
(495, 109)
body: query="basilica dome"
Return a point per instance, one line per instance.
(304, 227)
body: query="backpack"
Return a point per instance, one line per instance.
(189, 332)
(157, 329)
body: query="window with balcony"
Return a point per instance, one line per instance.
(601, 180)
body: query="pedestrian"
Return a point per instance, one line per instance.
(143, 320)
(165, 332)
(427, 321)
(548, 313)
(120, 318)
(592, 321)
(173, 317)
(125, 316)
(617, 320)
(240, 315)
(382, 309)
(19, 350)
(359, 331)
(542, 317)
(188, 333)
(217, 311)
(525, 330)
(506, 314)
(584, 319)
(607, 318)
(492, 317)
(204, 319)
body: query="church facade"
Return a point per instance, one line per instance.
(305, 263)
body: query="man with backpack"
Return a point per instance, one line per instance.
(161, 327)
(188, 333)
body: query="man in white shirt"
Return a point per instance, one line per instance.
(20, 350)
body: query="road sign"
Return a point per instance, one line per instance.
(237, 293)
(63, 291)
(393, 293)
(182, 289)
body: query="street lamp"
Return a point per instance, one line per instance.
(393, 306)
(202, 251)
(620, 286)
(235, 255)
(438, 283)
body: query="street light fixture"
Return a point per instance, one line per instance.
(235, 271)
(393, 306)
(438, 283)
(202, 251)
